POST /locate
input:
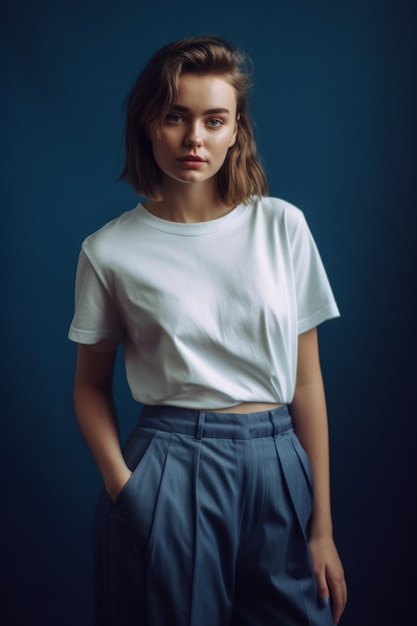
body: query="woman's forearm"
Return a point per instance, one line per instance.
(309, 415)
(97, 417)
(97, 420)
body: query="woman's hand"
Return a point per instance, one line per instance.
(329, 573)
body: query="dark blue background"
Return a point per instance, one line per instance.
(335, 103)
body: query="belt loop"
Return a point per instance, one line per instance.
(201, 418)
(274, 424)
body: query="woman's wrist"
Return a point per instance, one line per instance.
(320, 525)
(115, 482)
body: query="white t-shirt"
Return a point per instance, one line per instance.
(208, 313)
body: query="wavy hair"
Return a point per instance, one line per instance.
(153, 96)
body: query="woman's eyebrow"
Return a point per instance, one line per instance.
(179, 107)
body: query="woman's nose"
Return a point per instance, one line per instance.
(194, 135)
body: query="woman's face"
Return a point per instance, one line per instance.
(199, 130)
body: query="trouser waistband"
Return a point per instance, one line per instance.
(216, 424)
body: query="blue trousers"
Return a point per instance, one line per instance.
(211, 529)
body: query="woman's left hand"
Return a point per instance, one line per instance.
(329, 573)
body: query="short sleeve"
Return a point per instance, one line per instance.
(96, 316)
(314, 296)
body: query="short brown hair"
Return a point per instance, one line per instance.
(154, 94)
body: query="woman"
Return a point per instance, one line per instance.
(208, 517)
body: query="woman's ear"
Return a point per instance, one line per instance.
(233, 139)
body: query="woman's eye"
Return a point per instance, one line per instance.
(174, 118)
(215, 122)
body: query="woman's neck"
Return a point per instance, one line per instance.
(189, 203)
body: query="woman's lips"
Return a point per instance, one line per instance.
(192, 161)
(191, 157)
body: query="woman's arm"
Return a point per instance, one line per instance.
(97, 417)
(309, 414)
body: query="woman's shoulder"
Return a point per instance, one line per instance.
(112, 234)
(280, 210)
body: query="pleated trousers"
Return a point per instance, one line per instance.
(212, 527)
